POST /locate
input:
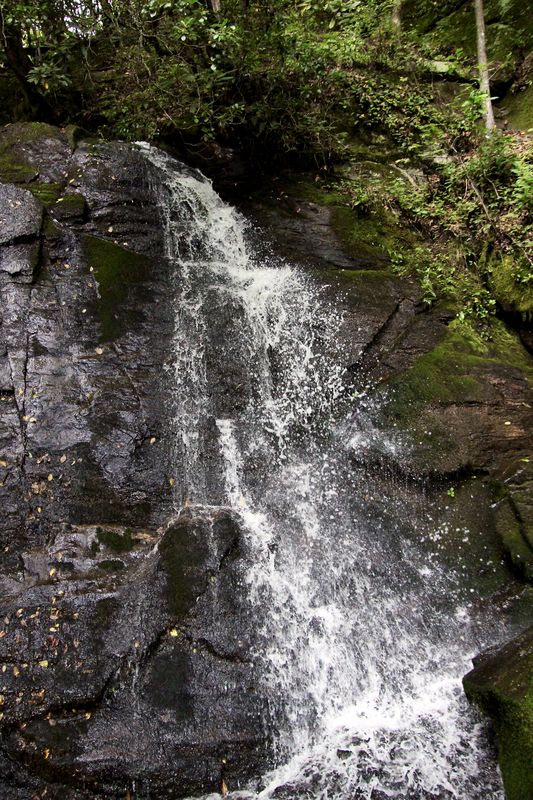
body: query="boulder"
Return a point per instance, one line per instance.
(501, 683)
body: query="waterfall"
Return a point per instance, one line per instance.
(360, 635)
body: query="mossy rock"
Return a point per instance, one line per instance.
(24, 132)
(501, 684)
(71, 206)
(192, 551)
(118, 541)
(116, 269)
(31, 151)
(15, 171)
(519, 107)
(47, 193)
(511, 284)
(111, 565)
(514, 539)
(367, 235)
(450, 406)
(13, 166)
(455, 370)
(441, 376)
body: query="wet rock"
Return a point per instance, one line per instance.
(113, 676)
(501, 685)
(116, 667)
(20, 214)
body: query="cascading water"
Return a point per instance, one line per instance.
(360, 638)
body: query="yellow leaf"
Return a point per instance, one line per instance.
(173, 632)
(43, 663)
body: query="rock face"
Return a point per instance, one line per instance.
(124, 660)
(115, 668)
(502, 684)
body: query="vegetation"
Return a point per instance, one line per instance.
(303, 83)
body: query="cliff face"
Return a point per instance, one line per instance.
(125, 648)
(106, 680)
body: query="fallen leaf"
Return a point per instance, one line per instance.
(173, 632)
(62, 459)
(43, 663)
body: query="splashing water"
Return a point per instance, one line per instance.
(359, 641)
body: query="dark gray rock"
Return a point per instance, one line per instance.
(20, 214)
(118, 666)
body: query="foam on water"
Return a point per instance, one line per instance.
(360, 644)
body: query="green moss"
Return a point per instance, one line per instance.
(13, 165)
(443, 375)
(117, 541)
(505, 347)
(184, 555)
(74, 201)
(115, 269)
(13, 170)
(520, 108)
(502, 685)
(372, 236)
(454, 370)
(111, 565)
(24, 132)
(511, 284)
(509, 528)
(364, 234)
(71, 205)
(47, 193)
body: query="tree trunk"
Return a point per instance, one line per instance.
(397, 15)
(483, 67)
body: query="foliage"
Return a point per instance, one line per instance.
(292, 81)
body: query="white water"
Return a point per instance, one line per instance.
(360, 643)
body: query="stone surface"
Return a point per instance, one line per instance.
(460, 406)
(123, 654)
(502, 684)
(118, 666)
